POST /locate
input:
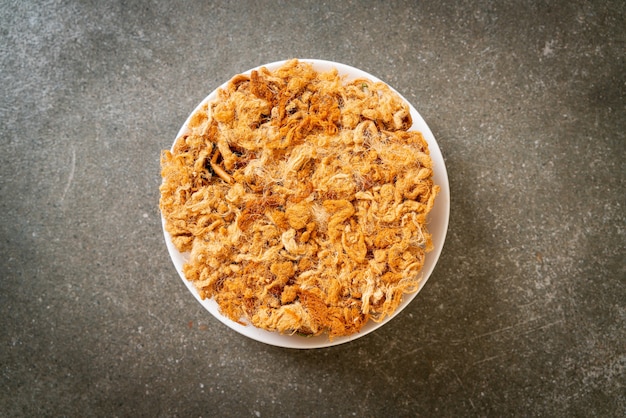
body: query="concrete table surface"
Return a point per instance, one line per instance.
(524, 314)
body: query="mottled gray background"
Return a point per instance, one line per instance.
(524, 314)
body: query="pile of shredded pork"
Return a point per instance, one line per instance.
(302, 199)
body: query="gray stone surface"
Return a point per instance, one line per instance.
(524, 314)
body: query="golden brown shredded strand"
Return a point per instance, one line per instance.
(302, 198)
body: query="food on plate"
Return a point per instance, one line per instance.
(301, 198)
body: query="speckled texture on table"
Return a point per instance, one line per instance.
(524, 314)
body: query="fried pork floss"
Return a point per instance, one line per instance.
(302, 199)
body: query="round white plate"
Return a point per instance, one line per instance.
(437, 225)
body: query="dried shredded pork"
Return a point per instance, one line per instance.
(302, 199)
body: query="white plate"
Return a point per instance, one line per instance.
(437, 225)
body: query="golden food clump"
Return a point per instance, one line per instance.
(302, 199)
